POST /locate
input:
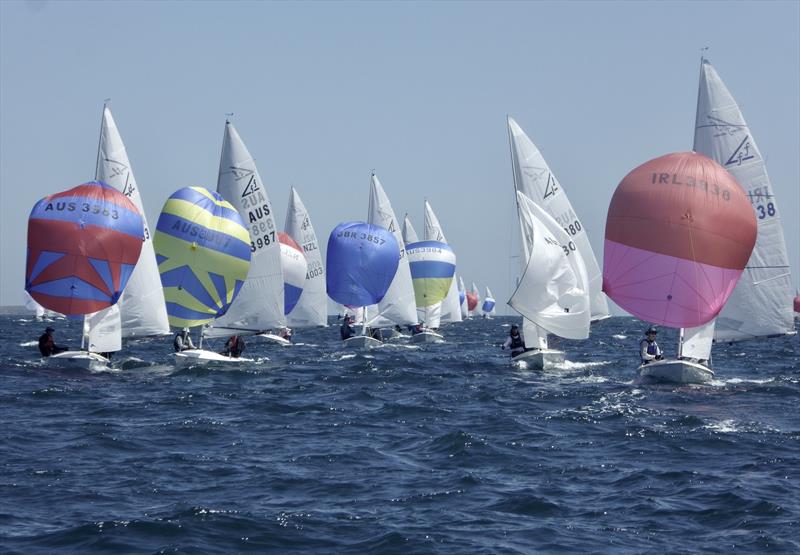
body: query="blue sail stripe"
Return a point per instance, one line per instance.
(200, 200)
(186, 279)
(429, 244)
(431, 269)
(212, 239)
(45, 259)
(71, 209)
(78, 289)
(178, 311)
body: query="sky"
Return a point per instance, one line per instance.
(324, 93)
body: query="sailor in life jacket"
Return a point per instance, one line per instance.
(514, 341)
(648, 348)
(182, 341)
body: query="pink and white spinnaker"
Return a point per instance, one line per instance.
(679, 232)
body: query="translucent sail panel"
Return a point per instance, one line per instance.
(260, 305)
(103, 330)
(760, 305)
(203, 252)
(533, 177)
(678, 235)
(397, 306)
(552, 292)
(409, 235)
(142, 309)
(83, 245)
(312, 308)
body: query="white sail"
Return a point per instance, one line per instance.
(533, 178)
(398, 304)
(259, 305)
(534, 336)
(462, 289)
(553, 291)
(695, 343)
(312, 308)
(450, 310)
(103, 330)
(141, 307)
(761, 303)
(409, 235)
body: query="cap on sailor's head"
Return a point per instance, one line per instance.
(186, 329)
(651, 329)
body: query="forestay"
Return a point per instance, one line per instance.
(260, 304)
(533, 178)
(312, 308)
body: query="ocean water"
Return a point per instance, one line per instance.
(440, 449)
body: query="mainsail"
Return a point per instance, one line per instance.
(141, 308)
(760, 305)
(312, 308)
(261, 304)
(409, 235)
(397, 306)
(533, 178)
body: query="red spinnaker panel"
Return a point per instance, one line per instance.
(472, 300)
(679, 232)
(82, 247)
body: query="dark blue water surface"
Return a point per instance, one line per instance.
(441, 449)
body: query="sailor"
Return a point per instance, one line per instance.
(648, 348)
(182, 341)
(346, 330)
(47, 345)
(286, 333)
(234, 346)
(514, 341)
(419, 328)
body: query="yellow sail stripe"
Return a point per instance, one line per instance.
(199, 216)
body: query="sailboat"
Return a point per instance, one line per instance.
(679, 232)
(473, 299)
(553, 293)
(295, 268)
(759, 306)
(450, 309)
(83, 245)
(362, 260)
(462, 299)
(311, 309)
(534, 178)
(488, 304)
(260, 306)
(204, 253)
(31, 305)
(397, 307)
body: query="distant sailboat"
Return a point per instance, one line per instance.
(450, 309)
(260, 306)
(473, 299)
(462, 299)
(312, 308)
(534, 179)
(678, 235)
(759, 306)
(397, 307)
(488, 304)
(203, 249)
(295, 267)
(552, 294)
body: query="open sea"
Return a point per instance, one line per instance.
(440, 449)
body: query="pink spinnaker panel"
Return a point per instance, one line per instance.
(659, 288)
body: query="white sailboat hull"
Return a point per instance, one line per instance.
(540, 359)
(427, 337)
(676, 371)
(277, 339)
(200, 357)
(78, 360)
(362, 342)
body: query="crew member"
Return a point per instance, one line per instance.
(648, 348)
(346, 330)
(514, 341)
(234, 346)
(47, 345)
(182, 341)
